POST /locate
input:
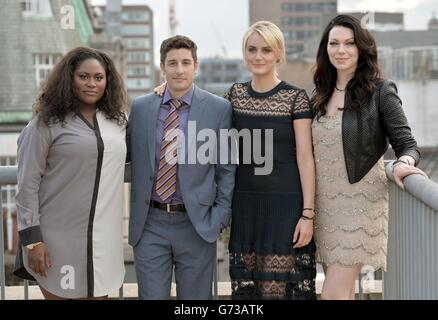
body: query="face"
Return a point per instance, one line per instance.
(179, 69)
(89, 82)
(260, 58)
(342, 50)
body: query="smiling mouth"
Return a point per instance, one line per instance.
(90, 93)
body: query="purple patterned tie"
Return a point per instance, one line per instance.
(166, 179)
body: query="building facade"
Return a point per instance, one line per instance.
(133, 26)
(216, 75)
(300, 20)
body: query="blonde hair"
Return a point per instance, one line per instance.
(271, 34)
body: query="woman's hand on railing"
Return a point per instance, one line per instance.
(39, 260)
(403, 170)
(160, 89)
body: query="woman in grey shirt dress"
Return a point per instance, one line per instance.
(70, 180)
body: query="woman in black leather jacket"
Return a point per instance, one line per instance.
(357, 112)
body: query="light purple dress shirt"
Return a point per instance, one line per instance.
(183, 112)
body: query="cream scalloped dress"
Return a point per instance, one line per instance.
(351, 226)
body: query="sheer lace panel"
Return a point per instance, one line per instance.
(286, 101)
(272, 276)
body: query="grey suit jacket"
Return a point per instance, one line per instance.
(207, 189)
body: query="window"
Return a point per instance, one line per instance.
(309, 7)
(138, 56)
(32, 8)
(138, 83)
(134, 30)
(139, 70)
(216, 66)
(43, 63)
(136, 16)
(137, 43)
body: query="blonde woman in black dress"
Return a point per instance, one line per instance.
(271, 246)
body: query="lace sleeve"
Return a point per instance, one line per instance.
(301, 108)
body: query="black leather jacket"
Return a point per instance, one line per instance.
(365, 132)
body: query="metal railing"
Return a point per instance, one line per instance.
(412, 263)
(8, 175)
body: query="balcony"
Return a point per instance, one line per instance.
(412, 249)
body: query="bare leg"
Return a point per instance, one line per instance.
(339, 283)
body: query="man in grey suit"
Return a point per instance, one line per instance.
(178, 209)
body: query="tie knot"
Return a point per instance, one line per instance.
(176, 103)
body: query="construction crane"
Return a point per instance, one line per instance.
(219, 39)
(172, 17)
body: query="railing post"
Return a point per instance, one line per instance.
(360, 286)
(2, 257)
(26, 289)
(121, 292)
(215, 289)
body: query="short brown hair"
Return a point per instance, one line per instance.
(177, 42)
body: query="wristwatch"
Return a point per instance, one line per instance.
(33, 245)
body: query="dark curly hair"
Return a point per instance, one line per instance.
(56, 98)
(367, 74)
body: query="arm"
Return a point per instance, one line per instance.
(396, 125)
(302, 116)
(224, 175)
(306, 167)
(398, 132)
(33, 147)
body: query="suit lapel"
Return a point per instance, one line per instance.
(151, 125)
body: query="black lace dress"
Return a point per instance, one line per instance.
(267, 207)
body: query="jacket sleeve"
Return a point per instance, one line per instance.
(225, 174)
(33, 147)
(395, 122)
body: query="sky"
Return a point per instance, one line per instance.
(217, 26)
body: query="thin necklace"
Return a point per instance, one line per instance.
(339, 89)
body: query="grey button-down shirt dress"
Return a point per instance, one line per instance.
(70, 196)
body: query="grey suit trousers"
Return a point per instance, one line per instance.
(170, 240)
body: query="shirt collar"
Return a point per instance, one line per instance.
(187, 98)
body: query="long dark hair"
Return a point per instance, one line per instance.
(367, 74)
(57, 98)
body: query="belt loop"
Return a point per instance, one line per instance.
(168, 207)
